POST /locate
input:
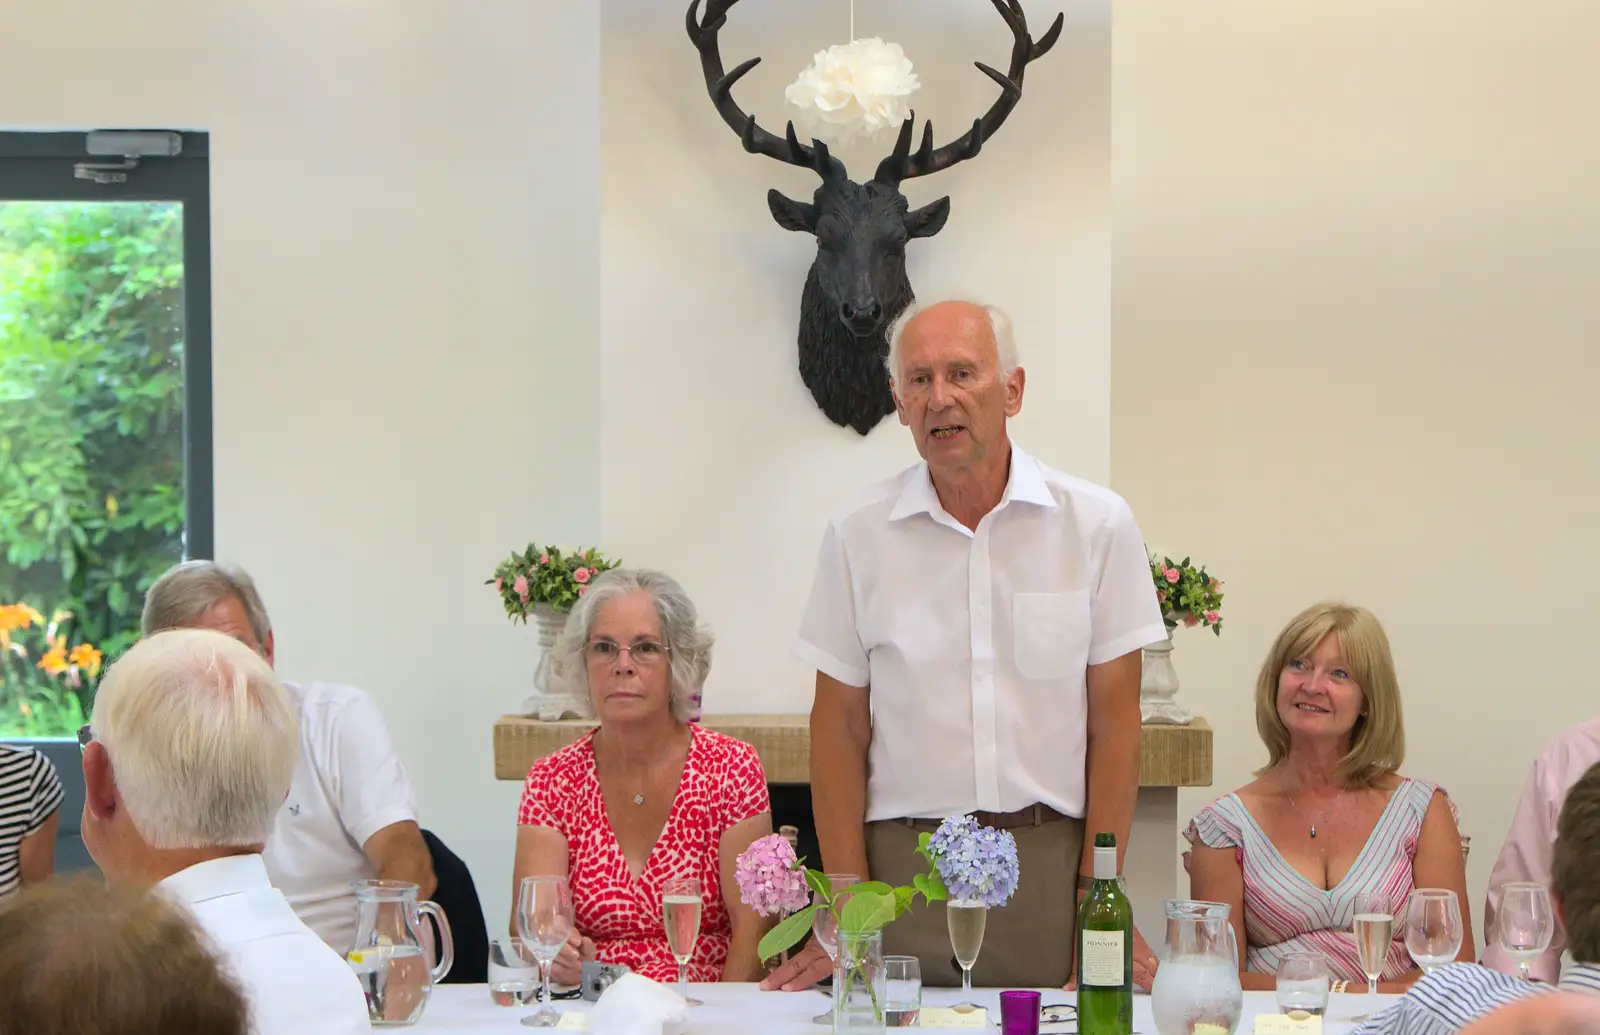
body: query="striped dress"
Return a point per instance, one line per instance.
(30, 792)
(1284, 912)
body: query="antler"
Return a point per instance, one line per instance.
(902, 165)
(787, 149)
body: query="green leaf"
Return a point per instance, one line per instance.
(866, 912)
(786, 935)
(903, 898)
(818, 883)
(872, 887)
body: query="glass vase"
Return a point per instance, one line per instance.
(860, 982)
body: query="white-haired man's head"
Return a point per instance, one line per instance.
(953, 368)
(1005, 340)
(192, 746)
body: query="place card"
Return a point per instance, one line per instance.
(944, 1017)
(1297, 1022)
(571, 1021)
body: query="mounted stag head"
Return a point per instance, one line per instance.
(857, 284)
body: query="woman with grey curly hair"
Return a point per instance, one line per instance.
(648, 797)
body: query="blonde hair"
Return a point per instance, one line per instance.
(1378, 739)
(202, 739)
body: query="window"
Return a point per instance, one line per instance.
(105, 402)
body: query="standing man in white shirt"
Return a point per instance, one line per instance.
(186, 761)
(350, 814)
(976, 624)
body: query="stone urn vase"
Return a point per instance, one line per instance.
(548, 703)
(1158, 687)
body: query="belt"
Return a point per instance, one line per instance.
(1028, 816)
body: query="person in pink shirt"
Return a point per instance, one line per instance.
(1528, 847)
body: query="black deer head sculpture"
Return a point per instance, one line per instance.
(857, 284)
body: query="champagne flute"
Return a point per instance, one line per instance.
(544, 918)
(1373, 927)
(1526, 923)
(1433, 928)
(966, 921)
(825, 924)
(681, 900)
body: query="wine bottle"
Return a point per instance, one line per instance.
(1105, 948)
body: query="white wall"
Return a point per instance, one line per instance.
(406, 266)
(716, 464)
(1354, 299)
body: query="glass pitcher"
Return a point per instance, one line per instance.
(1197, 983)
(389, 956)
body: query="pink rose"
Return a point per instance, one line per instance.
(521, 586)
(582, 574)
(1213, 617)
(1171, 574)
(582, 590)
(497, 584)
(1190, 621)
(544, 558)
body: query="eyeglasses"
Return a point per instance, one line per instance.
(85, 735)
(645, 653)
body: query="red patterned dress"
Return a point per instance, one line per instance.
(723, 784)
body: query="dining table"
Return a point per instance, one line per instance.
(739, 1009)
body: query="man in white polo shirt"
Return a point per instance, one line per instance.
(976, 624)
(186, 760)
(350, 814)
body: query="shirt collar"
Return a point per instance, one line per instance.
(214, 878)
(1582, 977)
(1024, 484)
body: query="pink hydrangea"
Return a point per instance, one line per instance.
(769, 882)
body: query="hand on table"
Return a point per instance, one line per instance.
(1145, 963)
(567, 969)
(804, 969)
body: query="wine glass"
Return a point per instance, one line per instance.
(544, 918)
(1526, 923)
(966, 921)
(825, 924)
(681, 900)
(1433, 928)
(1373, 927)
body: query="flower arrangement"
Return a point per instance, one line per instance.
(1187, 594)
(965, 862)
(974, 864)
(856, 89)
(545, 576)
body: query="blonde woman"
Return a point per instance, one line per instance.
(1329, 817)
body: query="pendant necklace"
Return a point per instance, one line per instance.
(1313, 826)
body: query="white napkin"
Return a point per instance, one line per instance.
(635, 1005)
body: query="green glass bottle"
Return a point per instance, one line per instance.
(1105, 949)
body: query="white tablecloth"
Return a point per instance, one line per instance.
(740, 1009)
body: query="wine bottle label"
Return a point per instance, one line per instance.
(1102, 958)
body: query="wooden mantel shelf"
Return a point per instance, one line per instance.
(1169, 756)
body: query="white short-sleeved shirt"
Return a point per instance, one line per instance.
(348, 785)
(975, 644)
(294, 983)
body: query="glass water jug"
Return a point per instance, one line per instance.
(389, 956)
(1197, 984)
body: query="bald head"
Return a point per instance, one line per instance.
(985, 325)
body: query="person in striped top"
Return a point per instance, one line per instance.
(30, 797)
(1329, 818)
(1454, 997)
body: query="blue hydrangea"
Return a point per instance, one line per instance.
(977, 864)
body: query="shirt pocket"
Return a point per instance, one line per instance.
(1050, 633)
